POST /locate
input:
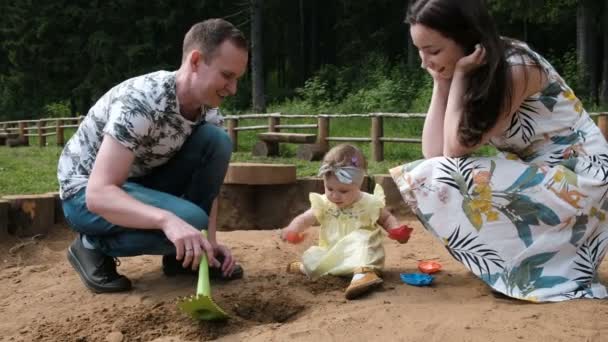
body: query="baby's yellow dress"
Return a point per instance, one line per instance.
(348, 237)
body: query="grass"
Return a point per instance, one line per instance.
(33, 169)
(28, 170)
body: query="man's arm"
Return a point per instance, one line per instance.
(105, 197)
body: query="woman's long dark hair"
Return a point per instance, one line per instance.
(489, 90)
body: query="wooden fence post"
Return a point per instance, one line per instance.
(22, 130)
(41, 136)
(602, 123)
(273, 121)
(323, 133)
(377, 146)
(59, 133)
(233, 133)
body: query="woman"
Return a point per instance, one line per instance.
(531, 222)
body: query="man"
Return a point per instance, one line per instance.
(142, 173)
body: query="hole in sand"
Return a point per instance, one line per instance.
(277, 309)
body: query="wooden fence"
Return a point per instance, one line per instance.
(376, 137)
(44, 128)
(41, 129)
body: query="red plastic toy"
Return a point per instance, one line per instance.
(294, 237)
(401, 233)
(429, 266)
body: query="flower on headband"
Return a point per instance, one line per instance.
(354, 161)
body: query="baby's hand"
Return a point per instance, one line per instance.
(291, 236)
(401, 234)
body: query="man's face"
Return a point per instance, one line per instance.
(217, 77)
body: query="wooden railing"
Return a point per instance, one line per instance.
(376, 137)
(44, 128)
(41, 128)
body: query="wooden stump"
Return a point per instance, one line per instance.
(19, 141)
(30, 214)
(394, 201)
(4, 137)
(4, 205)
(260, 174)
(59, 216)
(310, 152)
(265, 149)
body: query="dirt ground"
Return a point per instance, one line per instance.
(42, 299)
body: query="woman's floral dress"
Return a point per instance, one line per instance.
(530, 222)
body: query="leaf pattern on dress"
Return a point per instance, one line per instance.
(523, 122)
(590, 256)
(478, 257)
(528, 277)
(459, 174)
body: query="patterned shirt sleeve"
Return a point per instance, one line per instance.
(130, 119)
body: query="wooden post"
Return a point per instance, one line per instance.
(22, 129)
(323, 133)
(41, 136)
(377, 131)
(233, 133)
(59, 133)
(273, 121)
(602, 123)
(4, 206)
(31, 214)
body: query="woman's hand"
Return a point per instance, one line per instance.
(473, 61)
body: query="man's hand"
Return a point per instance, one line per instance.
(229, 261)
(189, 242)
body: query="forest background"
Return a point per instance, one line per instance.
(308, 56)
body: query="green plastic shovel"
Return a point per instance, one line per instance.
(201, 306)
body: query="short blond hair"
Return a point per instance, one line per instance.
(208, 35)
(345, 155)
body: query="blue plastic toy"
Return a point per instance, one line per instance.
(416, 279)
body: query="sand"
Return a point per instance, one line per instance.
(42, 299)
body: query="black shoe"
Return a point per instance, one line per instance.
(97, 270)
(173, 267)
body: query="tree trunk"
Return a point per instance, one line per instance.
(412, 59)
(411, 51)
(604, 83)
(302, 46)
(314, 37)
(257, 60)
(586, 50)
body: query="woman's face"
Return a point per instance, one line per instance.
(438, 53)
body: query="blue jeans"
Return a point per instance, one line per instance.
(186, 186)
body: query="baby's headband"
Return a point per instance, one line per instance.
(345, 174)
